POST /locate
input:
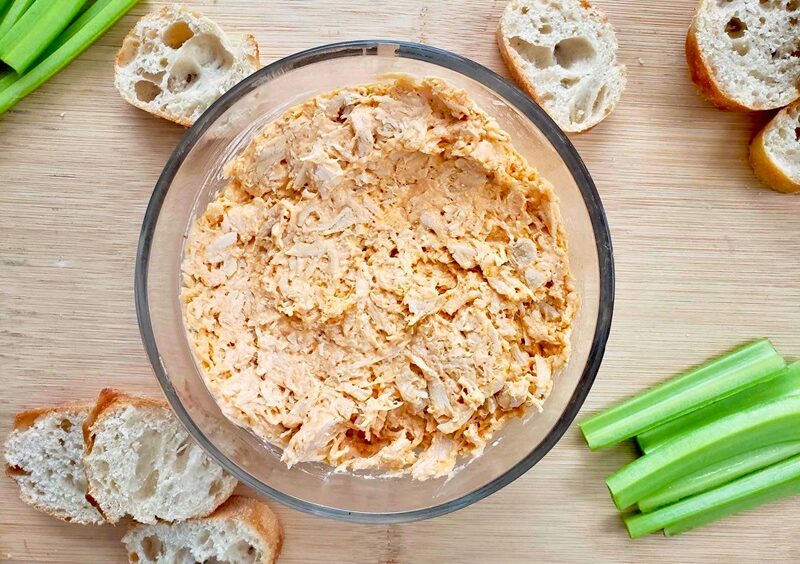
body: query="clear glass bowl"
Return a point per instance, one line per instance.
(193, 175)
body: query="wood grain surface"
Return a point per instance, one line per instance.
(706, 258)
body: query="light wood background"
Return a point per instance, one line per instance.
(706, 259)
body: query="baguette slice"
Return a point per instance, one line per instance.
(775, 151)
(175, 63)
(241, 531)
(563, 53)
(44, 455)
(141, 462)
(745, 55)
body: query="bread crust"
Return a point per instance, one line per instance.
(111, 400)
(526, 85)
(25, 420)
(257, 514)
(166, 13)
(703, 79)
(767, 169)
(180, 120)
(108, 401)
(253, 512)
(516, 72)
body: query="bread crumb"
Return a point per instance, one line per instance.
(61, 115)
(640, 61)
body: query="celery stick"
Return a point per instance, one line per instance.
(771, 483)
(35, 30)
(768, 495)
(93, 28)
(95, 8)
(720, 474)
(745, 367)
(766, 424)
(3, 5)
(14, 13)
(77, 24)
(7, 79)
(787, 382)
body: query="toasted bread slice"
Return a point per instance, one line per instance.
(744, 55)
(775, 151)
(563, 53)
(44, 455)
(141, 462)
(175, 63)
(241, 531)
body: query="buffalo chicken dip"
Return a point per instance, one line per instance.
(383, 283)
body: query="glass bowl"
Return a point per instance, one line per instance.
(193, 175)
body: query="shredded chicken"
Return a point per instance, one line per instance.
(383, 283)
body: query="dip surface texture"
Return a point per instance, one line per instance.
(383, 284)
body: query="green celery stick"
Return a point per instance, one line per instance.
(769, 495)
(3, 5)
(14, 13)
(766, 424)
(7, 79)
(720, 378)
(785, 383)
(719, 474)
(93, 27)
(35, 30)
(95, 8)
(776, 481)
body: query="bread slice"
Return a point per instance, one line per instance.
(141, 462)
(563, 53)
(175, 63)
(775, 151)
(745, 54)
(241, 531)
(44, 455)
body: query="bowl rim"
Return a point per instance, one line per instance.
(520, 101)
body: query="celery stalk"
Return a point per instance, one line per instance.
(760, 426)
(14, 13)
(786, 383)
(93, 27)
(35, 30)
(768, 495)
(95, 8)
(3, 5)
(720, 474)
(744, 367)
(7, 79)
(771, 483)
(87, 15)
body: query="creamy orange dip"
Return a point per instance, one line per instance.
(383, 284)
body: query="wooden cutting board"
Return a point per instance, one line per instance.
(706, 259)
